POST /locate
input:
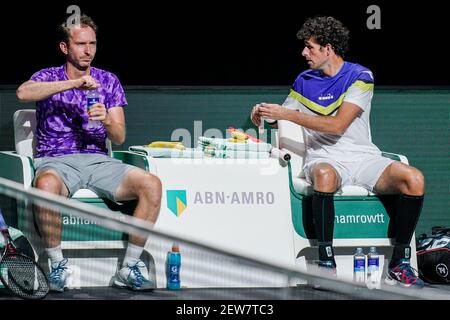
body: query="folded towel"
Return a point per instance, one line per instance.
(210, 147)
(167, 152)
(224, 144)
(233, 154)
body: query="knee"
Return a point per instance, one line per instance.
(415, 182)
(151, 187)
(48, 182)
(325, 179)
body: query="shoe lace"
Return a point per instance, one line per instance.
(58, 271)
(408, 271)
(137, 272)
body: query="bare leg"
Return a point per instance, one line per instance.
(147, 189)
(50, 222)
(401, 178)
(325, 178)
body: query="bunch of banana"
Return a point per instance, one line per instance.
(166, 144)
(238, 136)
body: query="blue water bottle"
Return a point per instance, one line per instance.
(173, 268)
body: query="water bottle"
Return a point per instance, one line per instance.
(373, 268)
(261, 123)
(92, 98)
(261, 126)
(173, 268)
(359, 266)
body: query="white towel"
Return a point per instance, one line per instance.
(167, 152)
(224, 144)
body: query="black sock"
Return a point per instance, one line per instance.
(401, 252)
(326, 252)
(406, 218)
(323, 213)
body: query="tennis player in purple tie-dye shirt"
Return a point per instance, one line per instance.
(62, 118)
(71, 155)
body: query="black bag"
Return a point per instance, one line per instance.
(433, 255)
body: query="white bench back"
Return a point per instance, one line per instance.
(24, 126)
(24, 121)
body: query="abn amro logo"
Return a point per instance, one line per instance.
(176, 201)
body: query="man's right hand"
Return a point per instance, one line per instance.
(39, 90)
(255, 116)
(86, 83)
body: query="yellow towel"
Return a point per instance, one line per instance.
(166, 144)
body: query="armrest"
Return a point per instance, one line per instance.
(131, 158)
(283, 155)
(395, 156)
(16, 167)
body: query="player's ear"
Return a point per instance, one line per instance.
(64, 48)
(328, 49)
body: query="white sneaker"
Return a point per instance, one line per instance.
(134, 276)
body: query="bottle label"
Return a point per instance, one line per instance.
(92, 101)
(373, 262)
(359, 264)
(174, 273)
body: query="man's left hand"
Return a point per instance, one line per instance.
(98, 112)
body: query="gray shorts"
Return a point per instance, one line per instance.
(363, 172)
(99, 173)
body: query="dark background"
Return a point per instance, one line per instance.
(227, 42)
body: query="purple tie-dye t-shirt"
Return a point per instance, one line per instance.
(61, 119)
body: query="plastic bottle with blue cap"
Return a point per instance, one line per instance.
(173, 268)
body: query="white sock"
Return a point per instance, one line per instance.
(55, 255)
(132, 254)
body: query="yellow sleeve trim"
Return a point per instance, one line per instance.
(363, 85)
(327, 110)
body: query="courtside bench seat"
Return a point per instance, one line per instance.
(87, 244)
(362, 218)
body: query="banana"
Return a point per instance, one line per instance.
(166, 144)
(236, 140)
(239, 135)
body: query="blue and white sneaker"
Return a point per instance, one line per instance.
(405, 275)
(134, 276)
(58, 276)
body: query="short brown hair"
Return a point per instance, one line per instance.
(85, 21)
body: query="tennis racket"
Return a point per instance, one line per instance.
(20, 274)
